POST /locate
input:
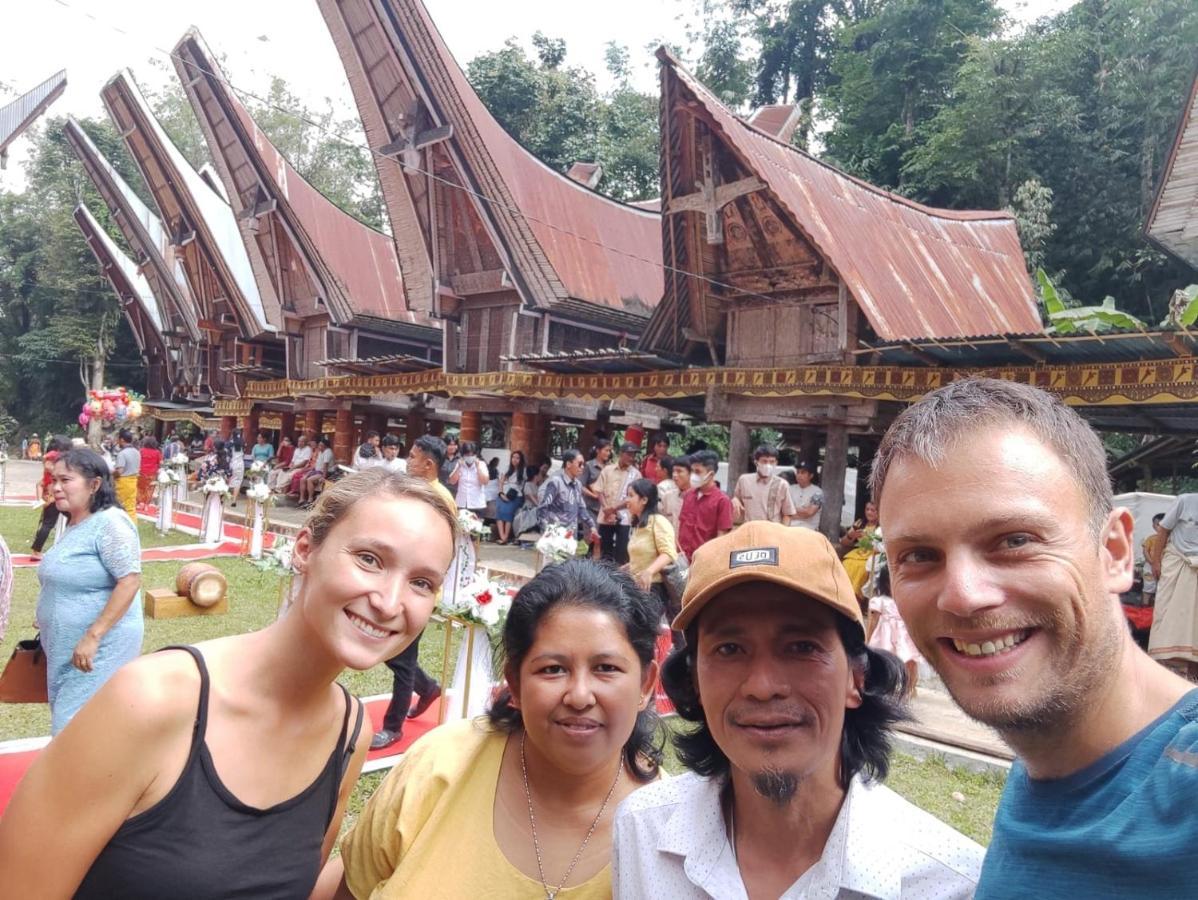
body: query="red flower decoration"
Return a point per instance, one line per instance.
(484, 598)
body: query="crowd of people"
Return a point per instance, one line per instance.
(224, 769)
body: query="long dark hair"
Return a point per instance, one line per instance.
(865, 741)
(594, 585)
(518, 469)
(90, 464)
(647, 491)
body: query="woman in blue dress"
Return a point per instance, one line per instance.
(90, 624)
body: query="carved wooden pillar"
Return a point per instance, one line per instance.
(227, 424)
(415, 427)
(287, 425)
(472, 426)
(343, 436)
(836, 451)
(738, 453)
(312, 422)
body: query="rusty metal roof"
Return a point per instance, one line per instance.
(378, 365)
(185, 199)
(605, 361)
(356, 265)
(1172, 222)
(144, 233)
(18, 115)
(561, 239)
(915, 271)
(777, 121)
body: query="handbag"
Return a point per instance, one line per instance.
(511, 494)
(24, 678)
(673, 577)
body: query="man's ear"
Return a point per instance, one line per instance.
(1117, 551)
(854, 695)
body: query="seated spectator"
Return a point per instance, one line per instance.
(288, 479)
(313, 480)
(262, 451)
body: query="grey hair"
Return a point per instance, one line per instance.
(928, 428)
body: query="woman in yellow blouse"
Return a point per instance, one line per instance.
(520, 803)
(653, 544)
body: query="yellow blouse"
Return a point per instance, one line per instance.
(428, 830)
(646, 544)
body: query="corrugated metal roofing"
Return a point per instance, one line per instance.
(564, 240)
(780, 121)
(141, 227)
(117, 267)
(210, 209)
(1173, 220)
(362, 263)
(915, 271)
(18, 115)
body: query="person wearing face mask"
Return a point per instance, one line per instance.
(763, 495)
(706, 510)
(470, 478)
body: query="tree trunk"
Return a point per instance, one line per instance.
(95, 430)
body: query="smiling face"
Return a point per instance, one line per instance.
(1001, 580)
(579, 689)
(774, 680)
(367, 590)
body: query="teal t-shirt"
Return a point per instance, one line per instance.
(1125, 826)
(262, 452)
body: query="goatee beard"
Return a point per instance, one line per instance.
(776, 786)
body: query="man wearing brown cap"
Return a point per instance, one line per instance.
(792, 718)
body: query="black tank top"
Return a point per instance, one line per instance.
(200, 842)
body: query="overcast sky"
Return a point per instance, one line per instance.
(93, 39)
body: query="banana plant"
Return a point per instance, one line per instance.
(1085, 319)
(1183, 308)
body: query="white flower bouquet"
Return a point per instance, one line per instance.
(259, 492)
(558, 543)
(483, 602)
(216, 485)
(167, 476)
(472, 525)
(259, 468)
(179, 459)
(278, 558)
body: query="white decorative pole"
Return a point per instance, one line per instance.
(166, 508)
(212, 526)
(259, 527)
(473, 676)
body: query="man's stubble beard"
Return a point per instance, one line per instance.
(1065, 696)
(777, 786)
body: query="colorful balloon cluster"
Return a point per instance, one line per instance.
(111, 406)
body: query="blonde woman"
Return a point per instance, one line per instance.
(223, 769)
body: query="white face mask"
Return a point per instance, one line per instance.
(765, 470)
(697, 481)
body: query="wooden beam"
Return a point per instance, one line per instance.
(720, 196)
(417, 140)
(1027, 350)
(926, 358)
(1177, 345)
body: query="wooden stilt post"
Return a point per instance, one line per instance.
(832, 479)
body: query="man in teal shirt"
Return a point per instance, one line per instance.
(1007, 561)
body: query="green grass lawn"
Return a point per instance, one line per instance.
(253, 601)
(18, 525)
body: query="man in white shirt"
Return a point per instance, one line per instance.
(390, 456)
(807, 497)
(322, 463)
(792, 735)
(301, 459)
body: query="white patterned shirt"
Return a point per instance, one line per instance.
(670, 841)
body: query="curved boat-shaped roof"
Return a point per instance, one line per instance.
(915, 271)
(355, 267)
(122, 273)
(179, 190)
(142, 229)
(1172, 222)
(18, 115)
(562, 240)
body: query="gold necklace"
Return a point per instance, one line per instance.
(550, 893)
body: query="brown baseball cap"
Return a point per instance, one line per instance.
(798, 559)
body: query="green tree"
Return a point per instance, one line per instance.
(893, 71)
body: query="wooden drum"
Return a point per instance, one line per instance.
(202, 583)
